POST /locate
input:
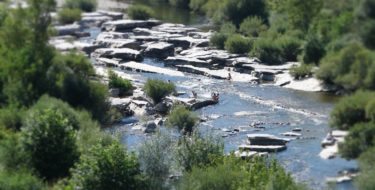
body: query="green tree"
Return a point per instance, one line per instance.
(49, 139)
(238, 44)
(108, 167)
(301, 13)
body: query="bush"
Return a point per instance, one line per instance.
(236, 11)
(183, 119)
(158, 89)
(366, 165)
(301, 71)
(351, 110)
(155, 163)
(48, 137)
(238, 44)
(140, 12)
(69, 16)
(70, 80)
(108, 167)
(12, 155)
(313, 50)
(235, 173)
(84, 5)
(267, 51)
(253, 26)
(352, 68)
(290, 46)
(180, 3)
(125, 86)
(218, 40)
(198, 151)
(11, 118)
(360, 139)
(228, 28)
(20, 180)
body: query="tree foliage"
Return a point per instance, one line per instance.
(183, 119)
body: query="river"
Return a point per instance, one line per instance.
(242, 104)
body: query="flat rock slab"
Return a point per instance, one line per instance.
(119, 43)
(149, 68)
(71, 29)
(218, 74)
(179, 60)
(266, 140)
(260, 148)
(128, 25)
(124, 54)
(202, 103)
(174, 28)
(159, 50)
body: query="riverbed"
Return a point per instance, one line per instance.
(242, 104)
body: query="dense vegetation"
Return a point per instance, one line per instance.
(158, 89)
(139, 12)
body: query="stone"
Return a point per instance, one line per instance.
(124, 54)
(159, 50)
(119, 43)
(112, 14)
(260, 148)
(179, 60)
(114, 92)
(67, 29)
(291, 134)
(174, 28)
(128, 25)
(266, 140)
(150, 127)
(163, 107)
(107, 62)
(112, 35)
(187, 42)
(204, 103)
(141, 67)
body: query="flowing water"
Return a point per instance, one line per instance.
(241, 104)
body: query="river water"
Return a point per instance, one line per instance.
(242, 104)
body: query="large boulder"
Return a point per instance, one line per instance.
(119, 43)
(124, 54)
(159, 50)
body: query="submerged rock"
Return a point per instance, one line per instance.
(201, 104)
(64, 30)
(150, 127)
(260, 148)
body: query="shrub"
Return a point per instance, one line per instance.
(351, 110)
(313, 50)
(253, 26)
(11, 118)
(183, 119)
(155, 163)
(235, 173)
(12, 155)
(366, 165)
(290, 46)
(352, 68)
(108, 167)
(49, 140)
(360, 139)
(267, 51)
(236, 11)
(180, 3)
(125, 86)
(197, 5)
(198, 151)
(70, 80)
(69, 16)
(84, 5)
(238, 44)
(301, 71)
(218, 40)
(20, 180)
(139, 12)
(228, 28)
(158, 89)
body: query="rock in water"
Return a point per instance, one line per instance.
(266, 139)
(150, 127)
